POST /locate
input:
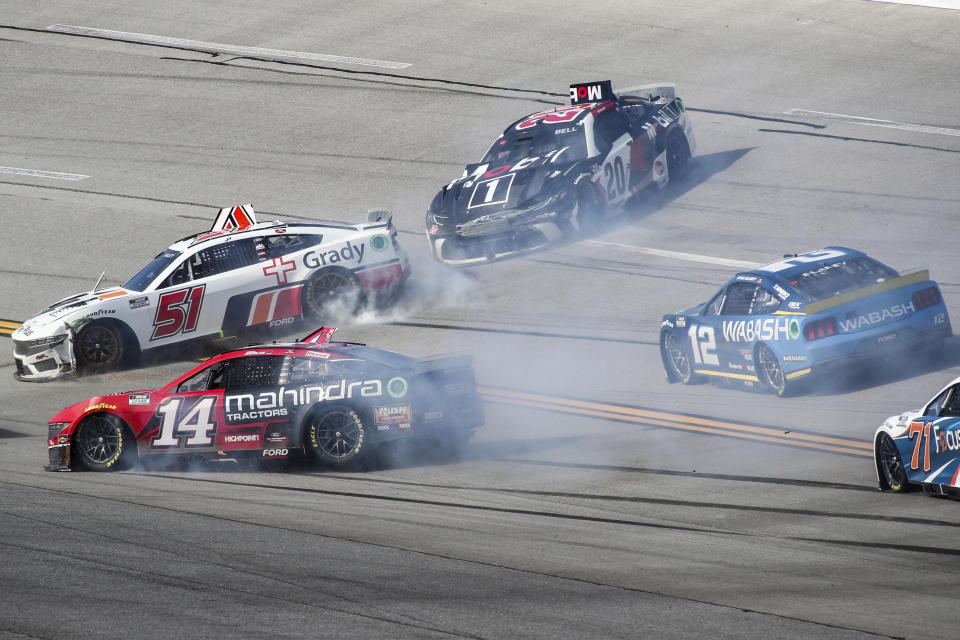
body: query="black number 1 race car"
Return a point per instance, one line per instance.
(550, 173)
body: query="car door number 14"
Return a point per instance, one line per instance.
(704, 344)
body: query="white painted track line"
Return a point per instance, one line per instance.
(935, 4)
(222, 48)
(677, 255)
(889, 124)
(43, 174)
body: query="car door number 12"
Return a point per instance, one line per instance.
(704, 344)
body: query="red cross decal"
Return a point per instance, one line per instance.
(279, 267)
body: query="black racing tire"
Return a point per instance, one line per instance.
(335, 435)
(676, 359)
(770, 371)
(99, 346)
(102, 442)
(330, 293)
(893, 475)
(678, 156)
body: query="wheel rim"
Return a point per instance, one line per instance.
(328, 287)
(678, 357)
(891, 463)
(98, 345)
(337, 434)
(771, 368)
(99, 440)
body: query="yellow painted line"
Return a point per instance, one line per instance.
(726, 374)
(676, 421)
(9, 324)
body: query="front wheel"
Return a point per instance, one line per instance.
(98, 347)
(101, 443)
(676, 359)
(335, 436)
(770, 371)
(893, 475)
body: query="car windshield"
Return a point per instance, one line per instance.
(840, 277)
(537, 142)
(150, 272)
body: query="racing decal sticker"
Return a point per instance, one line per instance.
(113, 294)
(379, 242)
(135, 399)
(279, 268)
(235, 218)
(183, 427)
(875, 317)
(279, 306)
(704, 344)
(552, 117)
(600, 91)
(397, 387)
(493, 191)
(761, 329)
(177, 312)
(102, 406)
(394, 413)
(142, 301)
(349, 252)
(248, 407)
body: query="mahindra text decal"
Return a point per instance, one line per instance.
(875, 317)
(349, 252)
(244, 407)
(761, 329)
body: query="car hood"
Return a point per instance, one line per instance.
(55, 318)
(110, 403)
(464, 200)
(899, 423)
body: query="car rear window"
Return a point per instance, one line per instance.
(839, 277)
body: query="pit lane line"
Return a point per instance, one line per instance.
(36, 173)
(648, 417)
(873, 122)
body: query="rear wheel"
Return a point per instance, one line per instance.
(676, 359)
(98, 347)
(678, 156)
(892, 472)
(332, 293)
(101, 443)
(335, 436)
(770, 371)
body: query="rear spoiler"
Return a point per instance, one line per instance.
(650, 91)
(443, 362)
(866, 292)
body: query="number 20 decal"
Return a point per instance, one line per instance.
(616, 178)
(177, 312)
(704, 344)
(195, 428)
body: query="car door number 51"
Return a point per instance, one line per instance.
(704, 344)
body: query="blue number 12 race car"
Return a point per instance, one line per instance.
(803, 315)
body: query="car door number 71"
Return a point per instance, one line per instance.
(704, 344)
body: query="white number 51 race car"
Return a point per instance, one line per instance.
(239, 274)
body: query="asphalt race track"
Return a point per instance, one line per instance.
(598, 500)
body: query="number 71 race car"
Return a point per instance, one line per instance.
(803, 316)
(554, 172)
(333, 402)
(238, 275)
(922, 447)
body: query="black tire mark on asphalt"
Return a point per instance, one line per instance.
(852, 139)
(518, 332)
(723, 506)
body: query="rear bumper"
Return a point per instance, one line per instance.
(874, 349)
